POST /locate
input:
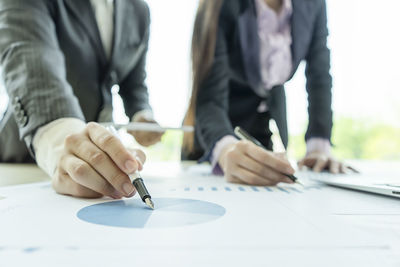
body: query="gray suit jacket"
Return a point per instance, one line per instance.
(54, 65)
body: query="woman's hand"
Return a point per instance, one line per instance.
(95, 163)
(319, 161)
(146, 138)
(246, 163)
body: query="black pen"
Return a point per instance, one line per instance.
(243, 135)
(136, 178)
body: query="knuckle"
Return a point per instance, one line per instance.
(79, 190)
(97, 158)
(117, 178)
(105, 189)
(242, 145)
(80, 170)
(91, 125)
(62, 160)
(230, 154)
(106, 140)
(71, 140)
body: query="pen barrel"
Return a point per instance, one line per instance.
(141, 188)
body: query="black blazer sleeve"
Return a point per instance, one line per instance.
(212, 120)
(133, 89)
(319, 81)
(33, 67)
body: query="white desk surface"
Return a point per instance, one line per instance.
(283, 230)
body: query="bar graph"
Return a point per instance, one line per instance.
(257, 189)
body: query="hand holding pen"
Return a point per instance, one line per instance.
(246, 162)
(242, 134)
(95, 163)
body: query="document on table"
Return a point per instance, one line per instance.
(198, 217)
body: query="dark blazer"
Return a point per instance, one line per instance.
(227, 96)
(54, 65)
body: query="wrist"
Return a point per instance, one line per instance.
(222, 159)
(318, 145)
(143, 115)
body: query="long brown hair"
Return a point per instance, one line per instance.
(202, 55)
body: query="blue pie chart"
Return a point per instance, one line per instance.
(168, 212)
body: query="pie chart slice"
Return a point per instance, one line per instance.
(169, 212)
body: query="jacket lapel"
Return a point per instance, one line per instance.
(301, 27)
(83, 13)
(250, 46)
(129, 42)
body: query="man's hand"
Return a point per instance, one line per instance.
(95, 163)
(319, 161)
(146, 138)
(244, 162)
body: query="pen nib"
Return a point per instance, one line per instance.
(149, 203)
(300, 183)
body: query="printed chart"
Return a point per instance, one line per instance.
(168, 212)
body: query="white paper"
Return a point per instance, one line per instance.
(260, 225)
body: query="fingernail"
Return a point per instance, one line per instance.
(116, 195)
(133, 193)
(128, 189)
(139, 160)
(130, 166)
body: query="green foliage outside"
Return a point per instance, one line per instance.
(168, 150)
(357, 139)
(352, 139)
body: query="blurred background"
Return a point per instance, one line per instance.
(364, 41)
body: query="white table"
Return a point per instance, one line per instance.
(223, 243)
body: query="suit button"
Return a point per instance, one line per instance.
(15, 101)
(24, 121)
(20, 114)
(17, 107)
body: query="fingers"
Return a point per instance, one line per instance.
(319, 161)
(63, 184)
(83, 174)
(102, 165)
(266, 157)
(139, 156)
(335, 166)
(320, 164)
(113, 147)
(240, 167)
(252, 178)
(263, 171)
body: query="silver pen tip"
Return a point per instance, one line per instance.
(300, 183)
(149, 203)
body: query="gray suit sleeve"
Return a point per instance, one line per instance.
(319, 80)
(212, 120)
(33, 67)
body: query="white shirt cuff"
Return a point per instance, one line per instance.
(318, 144)
(48, 142)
